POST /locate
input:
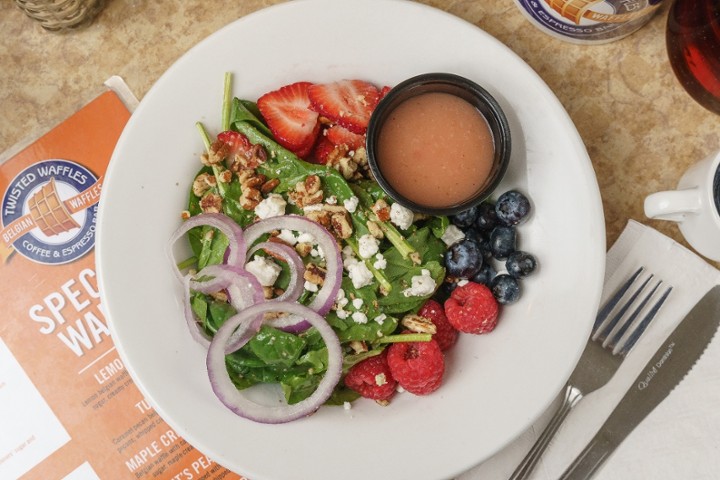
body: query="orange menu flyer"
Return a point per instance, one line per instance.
(69, 409)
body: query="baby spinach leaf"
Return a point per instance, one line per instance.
(397, 302)
(275, 347)
(247, 111)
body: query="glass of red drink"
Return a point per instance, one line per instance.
(693, 46)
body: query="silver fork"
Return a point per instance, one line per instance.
(612, 338)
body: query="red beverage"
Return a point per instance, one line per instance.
(693, 45)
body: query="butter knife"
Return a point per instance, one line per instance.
(672, 361)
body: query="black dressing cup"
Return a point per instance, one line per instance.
(464, 89)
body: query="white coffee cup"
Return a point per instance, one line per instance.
(694, 205)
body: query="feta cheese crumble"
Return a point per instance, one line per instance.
(368, 246)
(272, 206)
(351, 204)
(421, 285)
(305, 238)
(358, 303)
(401, 216)
(310, 287)
(452, 235)
(359, 317)
(380, 262)
(359, 274)
(266, 271)
(380, 318)
(341, 300)
(288, 237)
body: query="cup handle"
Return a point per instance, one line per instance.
(672, 205)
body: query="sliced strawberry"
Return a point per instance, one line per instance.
(321, 152)
(289, 116)
(348, 102)
(338, 135)
(235, 141)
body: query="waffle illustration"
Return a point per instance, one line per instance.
(573, 10)
(49, 213)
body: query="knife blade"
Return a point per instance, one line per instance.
(668, 366)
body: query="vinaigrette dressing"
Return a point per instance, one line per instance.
(436, 149)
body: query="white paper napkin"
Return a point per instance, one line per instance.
(680, 439)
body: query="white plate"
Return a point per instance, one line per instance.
(496, 384)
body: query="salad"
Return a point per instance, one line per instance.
(305, 274)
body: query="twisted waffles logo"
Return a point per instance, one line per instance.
(49, 212)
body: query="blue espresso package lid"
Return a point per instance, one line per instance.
(588, 21)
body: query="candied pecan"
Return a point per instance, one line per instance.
(312, 184)
(358, 346)
(244, 174)
(341, 225)
(303, 248)
(347, 167)
(220, 296)
(360, 156)
(307, 192)
(256, 156)
(322, 216)
(314, 274)
(419, 324)
(250, 198)
(382, 210)
(211, 203)
(270, 185)
(375, 230)
(225, 176)
(216, 154)
(337, 153)
(203, 183)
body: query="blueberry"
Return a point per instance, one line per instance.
(485, 248)
(463, 259)
(505, 288)
(520, 264)
(487, 217)
(502, 242)
(473, 234)
(485, 275)
(465, 218)
(512, 208)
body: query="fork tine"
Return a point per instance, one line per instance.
(613, 340)
(640, 329)
(613, 301)
(605, 330)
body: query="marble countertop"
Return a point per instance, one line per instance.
(640, 127)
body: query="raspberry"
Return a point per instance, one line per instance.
(472, 308)
(446, 335)
(371, 378)
(417, 366)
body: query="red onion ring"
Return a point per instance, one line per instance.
(242, 286)
(243, 290)
(196, 332)
(326, 295)
(235, 399)
(235, 254)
